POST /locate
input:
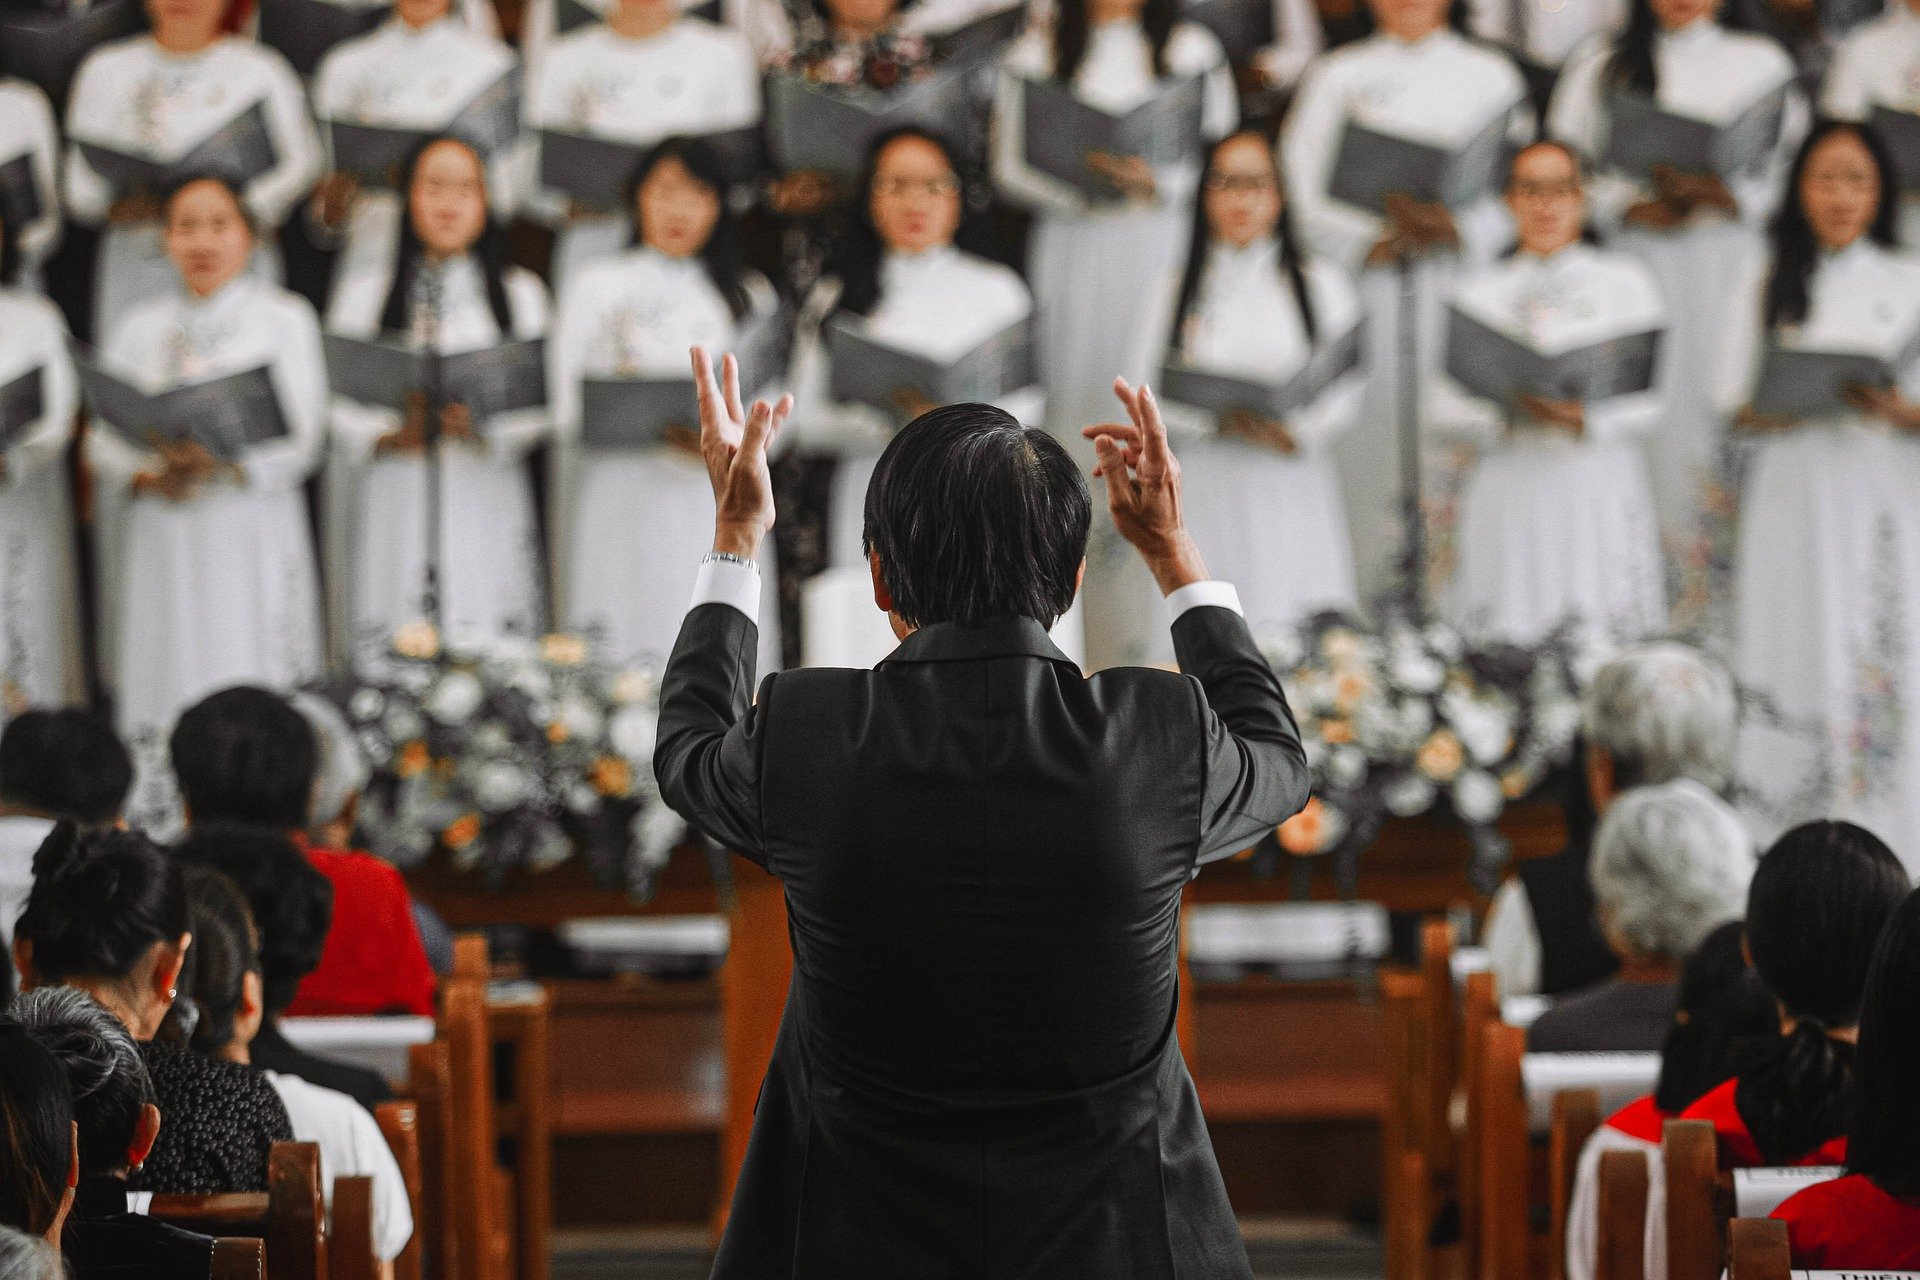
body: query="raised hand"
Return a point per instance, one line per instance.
(734, 443)
(1143, 488)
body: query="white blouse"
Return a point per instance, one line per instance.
(27, 128)
(134, 96)
(1703, 71)
(351, 1145)
(1878, 64)
(1442, 91)
(33, 336)
(1115, 75)
(1546, 31)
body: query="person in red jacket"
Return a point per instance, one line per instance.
(1870, 1219)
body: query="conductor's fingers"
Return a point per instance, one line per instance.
(705, 389)
(730, 378)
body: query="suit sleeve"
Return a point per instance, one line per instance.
(1254, 769)
(707, 758)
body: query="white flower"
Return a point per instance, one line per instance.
(1555, 723)
(1445, 641)
(630, 686)
(510, 650)
(1416, 670)
(1408, 795)
(455, 699)
(1346, 767)
(413, 677)
(375, 746)
(499, 786)
(550, 848)
(1414, 722)
(403, 723)
(656, 831)
(533, 680)
(1484, 726)
(1281, 648)
(1316, 749)
(582, 798)
(581, 719)
(366, 704)
(1476, 796)
(492, 739)
(633, 732)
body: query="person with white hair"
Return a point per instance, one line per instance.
(1656, 712)
(1671, 864)
(25, 1257)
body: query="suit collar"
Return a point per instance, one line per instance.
(1001, 638)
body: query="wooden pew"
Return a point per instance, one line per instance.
(1758, 1250)
(400, 1124)
(239, 1258)
(430, 1082)
(350, 1246)
(1576, 1114)
(1698, 1202)
(290, 1217)
(478, 1216)
(1622, 1210)
(1419, 1156)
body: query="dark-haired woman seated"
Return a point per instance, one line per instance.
(631, 520)
(38, 1169)
(1870, 1219)
(109, 916)
(451, 289)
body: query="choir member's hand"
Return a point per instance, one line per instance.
(1254, 428)
(1887, 404)
(1431, 225)
(1751, 419)
(1131, 174)
(411, 435)
(734, 441)
(1657, 215)
(333, 199)
(1143, 489)
(802, 193)
(138, 207)
(1691, 192)
(1564, 415)
(456, 423)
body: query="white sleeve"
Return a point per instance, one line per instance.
(1513, 941)
(300, 376)
(764, 23)
(1011, 173)
(1844, 94)
(1737, 366)
(1197, 595)
(88, 195)
(272, 195)
(47, 442)
(1297, 41)
(730, 583)
(1308, 143)
(1577, 116)
(38, 238)
(512, 436)
(1759, 193)
(740, 79)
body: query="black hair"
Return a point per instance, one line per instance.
(11, 257)
(36, 1132)
(489, 252)
(100, 901)
(1631, 65)
(1796, 249)
(975, 517)
(227, 184)
(292, 903)
(105, 1072)
(1815, 911)
(725, 253)
(245, 755)
(226, 948)
(1723, 1009)
(1287, 260)
(1884, 1140)
(860, 251)
(67, 763)
(1072, 28)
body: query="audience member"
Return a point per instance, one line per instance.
(1670, 863)
(108, 915)
(113, 1106)
(1655, 713)
(38, 1161)
(25, 1257)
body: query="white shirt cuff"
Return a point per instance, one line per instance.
(724, 582)
(1198, 594)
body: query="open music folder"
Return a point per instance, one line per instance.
(20, 202)
(1642, 134)
(1796, 382)
(636, 412)
(1495, 364)
(374, 153)
(226, 415)
(501, 378)
(827, 127)
(868, 371)
(1061, 130)
(239, 151)
(1371, 165)
(23, 402)
(596, 172)
(1900, 130)
(1219, 392)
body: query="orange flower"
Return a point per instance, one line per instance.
(1336, 731)
(557, 732)
(1514, 783)
(417, 640)
(1441, 756)
(611, 776)
(413, 759)
(1350, 685)
(563, 650)
(462, 832)
(1304, 833)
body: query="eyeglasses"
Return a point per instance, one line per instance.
(1546, 190)
(1246, 184)
(900, 188)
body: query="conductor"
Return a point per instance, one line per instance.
(982, 853)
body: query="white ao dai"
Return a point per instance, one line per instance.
(1878, 65)
(27, 129)
(39, 648)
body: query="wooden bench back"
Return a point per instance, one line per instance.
(400, 1124)
(350, 1246)
(1497, 1133)
(239, 1258)
(1621, 1233)
(1576, 1114)
(1757, 1250)
(1699, 1202)
(290, 1218)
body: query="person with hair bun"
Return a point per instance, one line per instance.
(1870, 1219)
(109, 916)
(39, 1161)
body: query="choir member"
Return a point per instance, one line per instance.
(29, 191)
(417, 71)
(1544, 33)
(1694, 231)
(207, 568)
(1298, 39)
(38, 625)
(1261, 494)
(630, 521)
(1877, 67)
(646, 73)
(1556, 521)
(856, 42)
(906, 286)
(158, 96)
(449, 288)
(1825, 627)
(1419, 79)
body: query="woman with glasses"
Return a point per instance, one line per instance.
(1877, 69)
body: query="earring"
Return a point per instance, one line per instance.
(173, 993)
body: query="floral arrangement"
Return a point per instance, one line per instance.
(512, 753)
(1408, 719)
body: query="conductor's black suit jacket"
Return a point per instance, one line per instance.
(982, 853)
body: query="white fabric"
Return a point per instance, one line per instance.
(1709, 73)
(763, 23)
(221, 589)
(402, 78)
(1583, 1209)
(351, 1145)
(1512, 940)
(1878, 65)
(692, 78)
(20, 838)
(629, 525)
(27, 128)
(1552, 527)
(1298, 40)
(490, 572)
(39, 626)
(136, 97)
(1210, 594)
(1827, 572)
(730, 583)
(1441, 90)
(1546, 31)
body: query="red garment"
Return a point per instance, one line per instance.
(1640, 1119)
(1851, 1224)
(1737, 1148)
(373, 961)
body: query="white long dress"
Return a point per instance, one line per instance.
(1272, 524)
(1827, 571)
(27, 128)
(135, 97)
(632, 525)
(692, 78)
(1441, 90)
(1878, 65)
(399, 77)
(1554, 528)
(1710, 73)
(221, 589)
(490, 570)
(39, 650)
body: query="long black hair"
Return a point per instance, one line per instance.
(1288, 259)
(100, 901)
(725, 253)
(1631, 65)
(1723, 1010)
(489, 252)
(36, 1132)
(290, 901)
(1819, 901)
(1072, 28)
(1796, 249)
(226, 948)
(860, 250)
(1884, 1140)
